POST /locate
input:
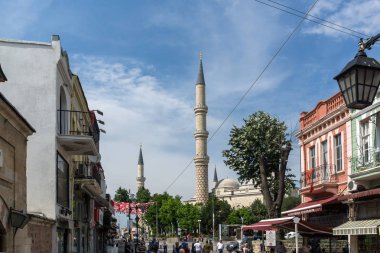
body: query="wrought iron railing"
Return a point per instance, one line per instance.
(366, 160)
(78, 123)
(325, 173)
(86, 170)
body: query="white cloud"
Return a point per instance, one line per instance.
(363, 17)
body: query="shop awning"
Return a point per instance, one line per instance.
(310, 207)
(360, 194)
(359, 227)
(304, 227)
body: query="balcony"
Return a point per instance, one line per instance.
(322, 181)
(366, 167)
(88, 175)
(78, 132)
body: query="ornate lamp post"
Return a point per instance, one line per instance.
(199, 227)
(360, 78)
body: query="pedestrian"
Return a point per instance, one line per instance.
(280, 248)
(198, 246)
(220, 246)
(245, 248)
(165, 246)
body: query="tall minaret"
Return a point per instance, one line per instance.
(140, 171)
(201, 158)
(215, 181)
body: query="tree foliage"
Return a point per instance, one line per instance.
(259, 152)
(290, 202)
(220, 208)
(240, 216)
(259, 211)
(143, 195)
(122, 195)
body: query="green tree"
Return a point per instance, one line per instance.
(235, 217)
(221, 210)
(122, 195)
(143, 195)
(259, 152)
(168, 213)
(290, 202)
(188, 216)
(153, 211)
(259, 211)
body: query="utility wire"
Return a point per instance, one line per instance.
(250, 87)
(320, 19)
(311, 20)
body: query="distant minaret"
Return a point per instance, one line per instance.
(215, 181)
(140, 171)
(201, 158)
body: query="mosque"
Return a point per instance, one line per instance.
(228, 189)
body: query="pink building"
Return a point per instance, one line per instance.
(325, 147)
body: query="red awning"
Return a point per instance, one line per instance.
(310, 207)
(304, 227)
(360, 194)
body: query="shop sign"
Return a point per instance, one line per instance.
(270, 236)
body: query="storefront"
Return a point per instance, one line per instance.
(363, 228)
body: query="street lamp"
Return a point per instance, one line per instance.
(360, 78)
(18, 219)
(241, 229)
(137, 226)
(199, 227)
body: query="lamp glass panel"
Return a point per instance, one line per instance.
(354, 94)
(345, 96)
(360, 91)
(366, 92)
(361, 73)
(342, 86)
(349, 94)
(376, 79)
(369, 76)
(17, 219)
(372, 93)
(353, 76)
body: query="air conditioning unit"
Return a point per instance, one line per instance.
(354, 187)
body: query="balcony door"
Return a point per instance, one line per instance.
(325, 161)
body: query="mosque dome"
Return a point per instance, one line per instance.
(228, 183)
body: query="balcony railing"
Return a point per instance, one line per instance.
(78, 123)
(87, 171)
(326, 173)
(366, 160)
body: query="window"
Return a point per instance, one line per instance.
(365, 136)
(62, 182)
(325, 160)
(312, 157)
(338, 152)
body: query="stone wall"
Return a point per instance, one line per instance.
(40, 232)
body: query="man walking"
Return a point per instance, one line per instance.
(220, 246)
(198, 247)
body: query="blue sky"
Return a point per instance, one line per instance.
(138, 62)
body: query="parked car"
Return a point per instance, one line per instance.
(292, 235)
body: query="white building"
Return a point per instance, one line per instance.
(40, 85)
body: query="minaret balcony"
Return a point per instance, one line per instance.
(140, 179)
(200, 109)
(201, 134)
(201, 159)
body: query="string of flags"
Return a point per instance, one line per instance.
(131, 208)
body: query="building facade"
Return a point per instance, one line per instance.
(66, 181)
(363, 188)
(14, 133)
(325, 147)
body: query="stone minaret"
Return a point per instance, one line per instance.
(215, 181)
(140, 171)
(201, 158)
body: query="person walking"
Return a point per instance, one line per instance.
(198, 246)
(220, 246)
